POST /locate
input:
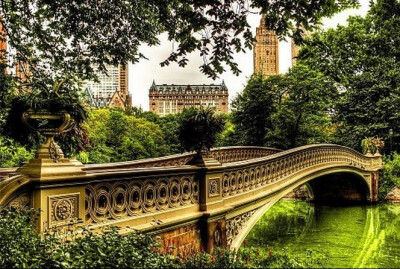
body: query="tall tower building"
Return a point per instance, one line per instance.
(296, 48)
(112, 88)
(266, 51)
(295, 52)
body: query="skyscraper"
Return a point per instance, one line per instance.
(266, 51)
(112, 88)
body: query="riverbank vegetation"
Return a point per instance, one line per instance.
(390, 176)
(22, 247)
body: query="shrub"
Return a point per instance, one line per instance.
(21, 246)
(12, 154)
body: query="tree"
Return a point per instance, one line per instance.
(115, 136)
(229, 136)
(285, 111)
(252, 110)
(199, 129)
(363, 60)
(65, 37)
(301, 116)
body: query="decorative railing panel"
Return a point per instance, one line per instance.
(234, 154)
(107, 201)
(236, 224)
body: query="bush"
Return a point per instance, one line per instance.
(12, 154)
(390, 175)
(21, 246)
(117, 136)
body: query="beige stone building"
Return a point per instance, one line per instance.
(295, 52)
(266, 51)
(167, 99)
(296, 48)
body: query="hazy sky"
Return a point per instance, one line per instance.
(142, 74)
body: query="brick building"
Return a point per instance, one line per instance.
(171, 99)
(266, 51)
(3, 40)
(112, 88)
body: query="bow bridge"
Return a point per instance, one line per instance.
(191, 203)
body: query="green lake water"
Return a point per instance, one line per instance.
(351, 236)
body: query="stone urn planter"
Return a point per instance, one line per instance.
(49, 160)
(49, 124)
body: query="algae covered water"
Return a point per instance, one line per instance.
(350, 236)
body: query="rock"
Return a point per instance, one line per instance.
(394, 195)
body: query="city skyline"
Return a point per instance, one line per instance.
(144, 72)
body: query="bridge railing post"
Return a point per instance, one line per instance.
(210, 198)
(375, 164)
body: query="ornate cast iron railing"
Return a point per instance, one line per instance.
(223, 155)
(146, 197)
(139, 195)
(243, 176)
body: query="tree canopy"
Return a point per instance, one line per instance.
(65, 38)
(285, 111)
(362, 60)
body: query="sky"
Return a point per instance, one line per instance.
(141, 74)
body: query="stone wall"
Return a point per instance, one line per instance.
(185, 240)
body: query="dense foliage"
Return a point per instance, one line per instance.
(22, 247)
(389, 175)
(115, 135)
(112, 135)
(199, 129)
(12, 154)
(362, 59)
(285, 111)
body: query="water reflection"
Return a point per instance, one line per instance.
(352, 236)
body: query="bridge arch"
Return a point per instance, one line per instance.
(257, 210)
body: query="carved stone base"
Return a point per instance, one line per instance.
(50, 163)
(47, 168)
